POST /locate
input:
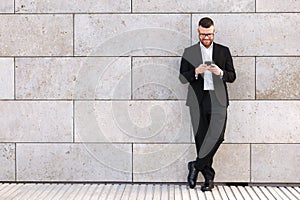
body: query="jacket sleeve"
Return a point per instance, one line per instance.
(229, 74)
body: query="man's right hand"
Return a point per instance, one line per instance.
(201, 69)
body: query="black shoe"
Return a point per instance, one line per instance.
(193, 174)
(208, 185)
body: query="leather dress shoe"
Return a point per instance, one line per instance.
(207, 186)
(193, 174)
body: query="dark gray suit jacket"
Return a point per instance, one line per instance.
(192, 58)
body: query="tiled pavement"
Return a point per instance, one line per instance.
(145, 191)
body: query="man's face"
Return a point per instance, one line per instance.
(206, 35)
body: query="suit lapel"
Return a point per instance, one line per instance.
(200, 59)
(218, 83)
(215, 53)
(193, 55)
(198, 49)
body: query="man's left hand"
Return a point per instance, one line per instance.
(216, 70)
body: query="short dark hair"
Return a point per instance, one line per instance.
(206, 22)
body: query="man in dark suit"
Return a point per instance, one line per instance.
(206, 66)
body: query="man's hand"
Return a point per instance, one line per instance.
(215, 69)
(201, 69)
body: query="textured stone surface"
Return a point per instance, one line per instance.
(277, 6)
(278, 78)
(232, 163)
(73, 78)
(71, 6)
(248, 38)
(79, 76)
(263, 122)
(161, 162)
(132, 121)
(168, 162)
(74, 162)
(6, 78)
(7, 162)
(193, 6)
(24, 121)
(7, 6)
(275, 163)
(157, 78)
(244, 85)
(134, 34)
(36, 35)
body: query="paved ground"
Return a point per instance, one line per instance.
(143, 192)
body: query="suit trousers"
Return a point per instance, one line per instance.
(209, 122)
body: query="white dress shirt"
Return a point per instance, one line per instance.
(207, 56)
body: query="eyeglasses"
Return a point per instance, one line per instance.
(203, 35)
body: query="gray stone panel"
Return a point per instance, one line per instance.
(7, 162)
(131, 34)
(36, 35)
(73, 78)
(6, 78)
(168, 162)
(232, 163)
(244, 35)
(278, 78)
(157, 78)
(244, 85)
(275, 163)
(72, 6)
(193, 6)
(74, 162)
(162, 162)
(277, 6)
(46, 121)
(263, 122)
(7, 6)
(132, 121)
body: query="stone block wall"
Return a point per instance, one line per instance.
(89, 90)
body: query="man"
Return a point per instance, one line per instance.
(206, 66)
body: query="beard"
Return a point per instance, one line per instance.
(206, 42)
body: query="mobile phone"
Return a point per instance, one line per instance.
(208, 63)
